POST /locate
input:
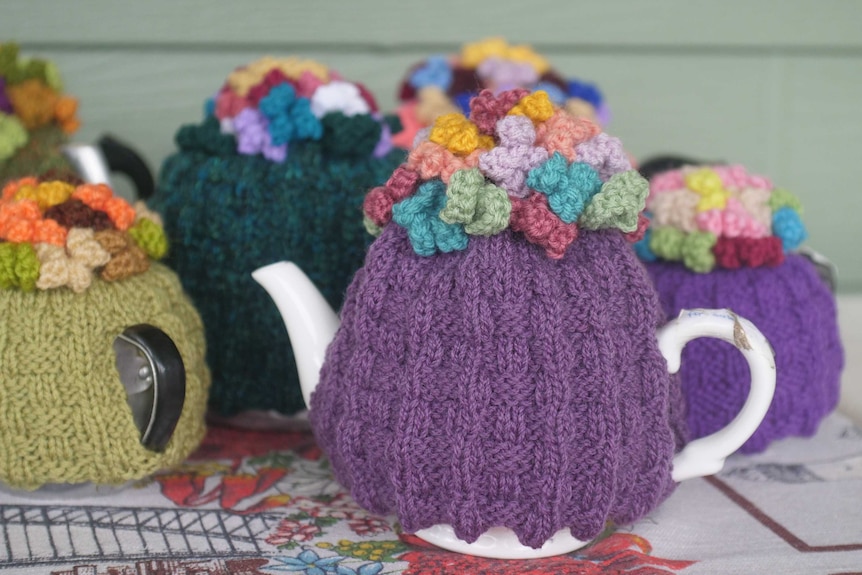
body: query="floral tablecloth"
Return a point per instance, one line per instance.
(253, 503)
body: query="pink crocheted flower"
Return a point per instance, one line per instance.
(736, 177)
(431, 160)
(666, 182)
(229, 104)
(533, 217)
(307, 84)
(563, 132)
(507, 165)
(379, 201)
(486, 109)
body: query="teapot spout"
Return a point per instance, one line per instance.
(310, 321)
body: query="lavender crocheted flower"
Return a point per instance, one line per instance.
(253, 136)
(506, 74)
(604, 154)
(507, 165)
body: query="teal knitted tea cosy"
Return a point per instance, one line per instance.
(277, 170)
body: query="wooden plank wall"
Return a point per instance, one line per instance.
(775, 85)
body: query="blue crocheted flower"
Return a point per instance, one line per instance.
(787, 225)
(555, 93)
(435, 72)
(420, 216)
(642, 248)
(569, 187)
(585, 91)
(462, 100)
(290, 117)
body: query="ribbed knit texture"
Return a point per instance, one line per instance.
(498, 386)
(63, 411)
(796, 312)
(227, 214)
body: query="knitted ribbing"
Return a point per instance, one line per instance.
(796, 312)
(63, 411)
(498, 386)
(228, 214)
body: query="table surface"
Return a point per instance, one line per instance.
(252, 502)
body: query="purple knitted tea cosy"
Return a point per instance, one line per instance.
(508, 378)
(733, 234)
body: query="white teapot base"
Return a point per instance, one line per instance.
(500, 543)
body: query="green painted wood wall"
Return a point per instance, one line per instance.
(775, 85)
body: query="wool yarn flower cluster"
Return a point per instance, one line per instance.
(272, 102)
(31, 100)
(444, 84)
(719, 216)
(517, 162)
(54, 233)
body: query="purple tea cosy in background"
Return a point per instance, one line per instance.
(277, 170)
(722, 237)
(496, 363)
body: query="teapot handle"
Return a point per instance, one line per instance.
(706, 455)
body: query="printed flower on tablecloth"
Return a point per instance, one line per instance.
(310, 563)
(290, 531)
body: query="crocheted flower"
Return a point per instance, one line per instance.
(506, 74)
(431, 103)
(605, 154)
(788, 226)
(533, 218)
(508, 164)
(341, 97)
(569, 187)
(419, 215)
(378, 203)
(618, 203)
(72, 266)
(753, 224)
(13, 136)
(289, 117)
(66, 234)
(511, 180)
(252, 134)
(434, 72)
(482, 208)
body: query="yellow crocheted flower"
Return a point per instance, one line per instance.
(433, 103)
(46, 194)
(707, 184)
(294, 67)
(536, 106)
(458, 135)
(475, 53)
(525, 53)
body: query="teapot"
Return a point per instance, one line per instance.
(501, 375)
(312, 324)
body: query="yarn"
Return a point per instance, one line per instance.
(227, 214)
(447, 397)
(751, 223)
(518, 169)
(35, 117)
(796, 312)
(756, 276)
(58, 368)
(64, 224)
(443, 84)
(19, 266)
(483, 209)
